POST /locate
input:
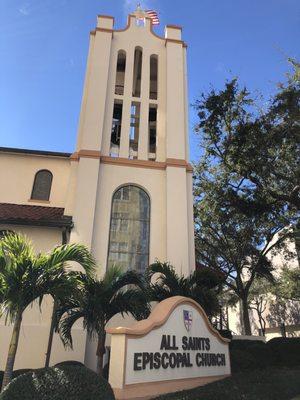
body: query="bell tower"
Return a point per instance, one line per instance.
(130, 172)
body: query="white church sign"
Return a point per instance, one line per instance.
(176, 348)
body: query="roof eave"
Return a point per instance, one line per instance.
(64, 223)
(13, 150)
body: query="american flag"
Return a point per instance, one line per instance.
(154, 16)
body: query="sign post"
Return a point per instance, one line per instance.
(176, 348)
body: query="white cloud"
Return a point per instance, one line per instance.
(24, 9)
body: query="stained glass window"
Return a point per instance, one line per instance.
(129, 229)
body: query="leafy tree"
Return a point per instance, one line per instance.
(26, 277)
(246, 182)
(101, 299)
(226, 298)
(237, 246)
(259, 298)
(284, 306)
(258, 149)
(288, 284)
(283, 312)
(202, 285)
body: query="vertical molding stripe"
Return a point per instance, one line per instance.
(144, 130)
(124, 142)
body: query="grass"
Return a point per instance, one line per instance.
(268, 384)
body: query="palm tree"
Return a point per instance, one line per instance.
(202, 285)
(101, 299)
(26, 277)
(71, 282)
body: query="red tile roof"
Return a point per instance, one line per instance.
(20, 214)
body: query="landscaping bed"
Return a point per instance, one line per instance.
(269, 384)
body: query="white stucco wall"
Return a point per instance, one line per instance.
(17, 172)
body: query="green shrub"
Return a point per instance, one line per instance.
(19, 372)
(249, 355)
(280, 384)
(255, 354)
(16, 373)
(286, 351)
(262, 355)
(241, 360)
(68, 382)
(245, 344)
(69, 362)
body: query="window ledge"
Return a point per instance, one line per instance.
(39, 201)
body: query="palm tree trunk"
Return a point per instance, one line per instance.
(101, 351)
(12, 351)
(51, 334)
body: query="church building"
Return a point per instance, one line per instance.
(126, 190)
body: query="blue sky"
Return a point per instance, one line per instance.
(44, 44)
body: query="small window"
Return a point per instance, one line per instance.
(153, 77)
(120, 75)
(42, 185)
(137, 72)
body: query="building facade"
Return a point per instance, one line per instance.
(279, 317)
(126, 191)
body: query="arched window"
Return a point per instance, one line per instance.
(129, 229)
(120, 75)
(153, 77)
(42, 185)
(137, 72)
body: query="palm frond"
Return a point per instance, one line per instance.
(66, 325)
(17, 246)
(72, 253)
(127, 278)
(130, 301)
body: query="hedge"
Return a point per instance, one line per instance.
(19, 372)
(67, 382)
(254, 354)
(69, 362)
(16, 373)
(286, 351)
(279, 384)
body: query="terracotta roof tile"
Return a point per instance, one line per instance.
(33, 215)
